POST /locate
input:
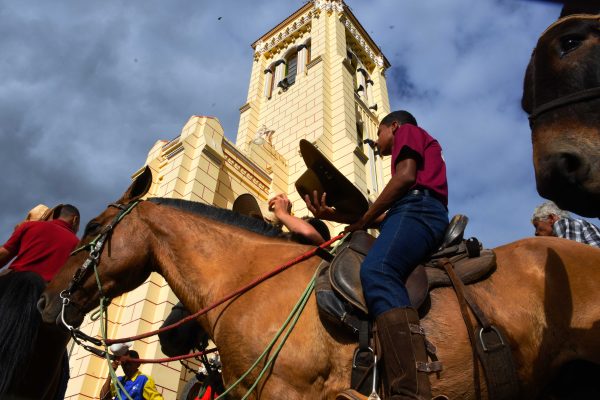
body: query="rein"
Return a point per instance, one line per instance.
(95, 249)
(572, 98)
(314, 251)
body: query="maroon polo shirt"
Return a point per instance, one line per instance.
(41, 246)
(414, 142)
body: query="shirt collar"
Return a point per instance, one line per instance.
(64, 224)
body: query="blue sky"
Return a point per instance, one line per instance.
(88, 87)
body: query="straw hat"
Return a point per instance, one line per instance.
(36, 213)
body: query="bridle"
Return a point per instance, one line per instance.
(95, 248)
(571, 98)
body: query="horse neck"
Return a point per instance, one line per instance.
(203, 260)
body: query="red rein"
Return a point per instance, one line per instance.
(168, 359)
(249, 286)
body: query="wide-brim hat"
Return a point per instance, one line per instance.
(246, 204)
(323, 176)
(37, 213)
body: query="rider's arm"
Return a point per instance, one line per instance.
(397, 187)
(281, 205)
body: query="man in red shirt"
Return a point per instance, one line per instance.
(42, 246)
(411, 213)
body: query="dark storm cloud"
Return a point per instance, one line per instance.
(87, 88)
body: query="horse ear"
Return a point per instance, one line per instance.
(528, 88)
(138, 188)
(580, 7)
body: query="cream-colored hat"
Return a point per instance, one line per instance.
(36, 213)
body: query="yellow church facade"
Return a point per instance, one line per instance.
(316, 76)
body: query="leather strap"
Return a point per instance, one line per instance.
(460, 295)
(489, 346)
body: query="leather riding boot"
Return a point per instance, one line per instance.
(403, 355)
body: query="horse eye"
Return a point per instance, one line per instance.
(92, 228)
(569, 43)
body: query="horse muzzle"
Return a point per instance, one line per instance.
(51, 311)
(570, 179)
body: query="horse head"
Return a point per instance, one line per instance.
(562, 95)
(105, 250)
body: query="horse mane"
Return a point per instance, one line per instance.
(222, 215)
(19, 293)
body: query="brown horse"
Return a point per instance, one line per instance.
(562, 95)
(544, 294)
(31, 352)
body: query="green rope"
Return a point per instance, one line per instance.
(103, 329)
(268, 364)
(294, 314)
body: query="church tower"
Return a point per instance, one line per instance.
(318, 76)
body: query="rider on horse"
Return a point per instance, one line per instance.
(412, 215)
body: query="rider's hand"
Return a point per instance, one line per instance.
(280, 205)
(318, 207)
(357, 226)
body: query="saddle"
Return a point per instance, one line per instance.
(458, 262)
(339, 290)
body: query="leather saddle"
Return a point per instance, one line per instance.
(339, 290)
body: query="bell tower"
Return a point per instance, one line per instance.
(319, 76)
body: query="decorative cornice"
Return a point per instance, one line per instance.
(246, 175)
(262, 47)
(234, 152)
(329, 5)
(376, 58)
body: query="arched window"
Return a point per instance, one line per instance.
(361, 82)
(291, 66)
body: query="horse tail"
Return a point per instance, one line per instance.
(19, 323)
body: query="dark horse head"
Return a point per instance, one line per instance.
(562, 96)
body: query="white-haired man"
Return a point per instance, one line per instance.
(549, 220)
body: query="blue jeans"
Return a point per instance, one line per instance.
(411, 231)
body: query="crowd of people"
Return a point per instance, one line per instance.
(411, 214)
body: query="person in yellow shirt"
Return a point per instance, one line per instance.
(137, 385)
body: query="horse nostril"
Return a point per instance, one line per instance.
(570, 162)
(570, 168)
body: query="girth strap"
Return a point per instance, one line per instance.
(459, 289)
(488, 345)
